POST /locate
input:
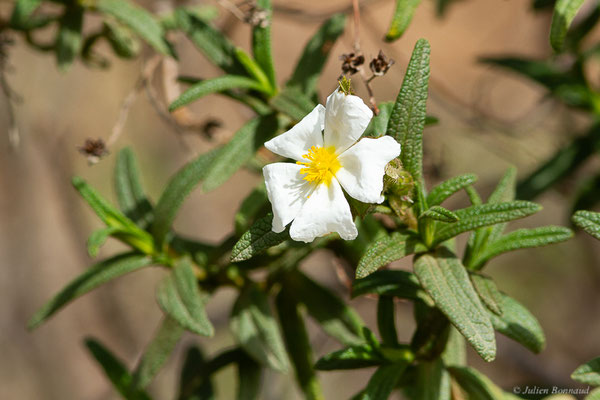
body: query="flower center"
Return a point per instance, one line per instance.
(321, 166)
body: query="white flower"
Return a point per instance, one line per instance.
(329, 158)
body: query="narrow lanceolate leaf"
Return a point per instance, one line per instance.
(298, 344)
(139, 20)
(213, 44)
(335, 317)
(157, 352)
(249, 374)
(115, 371)
(215, 85)
(194, 381)
(408, 116)
(353, 357)
(521, 239)
(383, 381)
(178, 188)
(261, 40)
(293, 102)
(475, 384)
(179, 296)
(588, 373)
(22, 14)
(130, 192)
(379, 123)
(257, 239)
(484, 215)
(588, 221)
(447, 188)
(397, 283)
(519, 324)
(97, 239)
(506, 188)
(253, 206)
(405, 10)
(447, 282)
(565, 161)
(488, 292)
(433, 381)
(93, 277)
(388, 249)
(239, 150)
(255, 329)
(564, 13)
(386, 321)
(455, 352)
(316, 52)
(438, 213)
(68, 40)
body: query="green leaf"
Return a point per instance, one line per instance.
(405, 9)
(455, 352)
(214, 85)
(484, 215)
(353, 357)
(594, 395)
(388, 249)
(521, 239)
(157, 352)
(213, 44)
(562, 164)
(254, 70)
(408, 116)
(297, 344)
(383, 381)
(122, 40)
(315, 54)
(256, 330)
(249, 378)
(257, 239)
(433, 381)
(519, 324)
(335, 317)
(22, 14)
(261, 41)
(477, 385)
(588, 221)
(179, 296)
(397, 283)
(438, 213)
(115, 371)
(180, 185)
(68, 39)
(588, 194)
(379, 123)
(564, 13)
(97, 239)
(386, 321)
(488, 292)
(239, 150)
(139, 20)
(293, 102)
(447, 188)
(194, 382)
(447, 282)
(255, 204)
(588, 373)
(98, 274)
(130, 192)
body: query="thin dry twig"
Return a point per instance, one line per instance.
(233, 9)
(302, 14)
(363, 74)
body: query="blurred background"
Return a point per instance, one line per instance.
(489, 119)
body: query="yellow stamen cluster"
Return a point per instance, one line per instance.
(321, 166)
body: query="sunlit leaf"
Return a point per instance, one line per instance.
(403, 14)
(257, 239)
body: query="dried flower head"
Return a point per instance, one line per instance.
(380, 64)
(94, 150)
(351, 63)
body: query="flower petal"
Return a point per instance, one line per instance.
(325, 211)
(287, 192)
(305, 134)
(346, 118)
(363, 167)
